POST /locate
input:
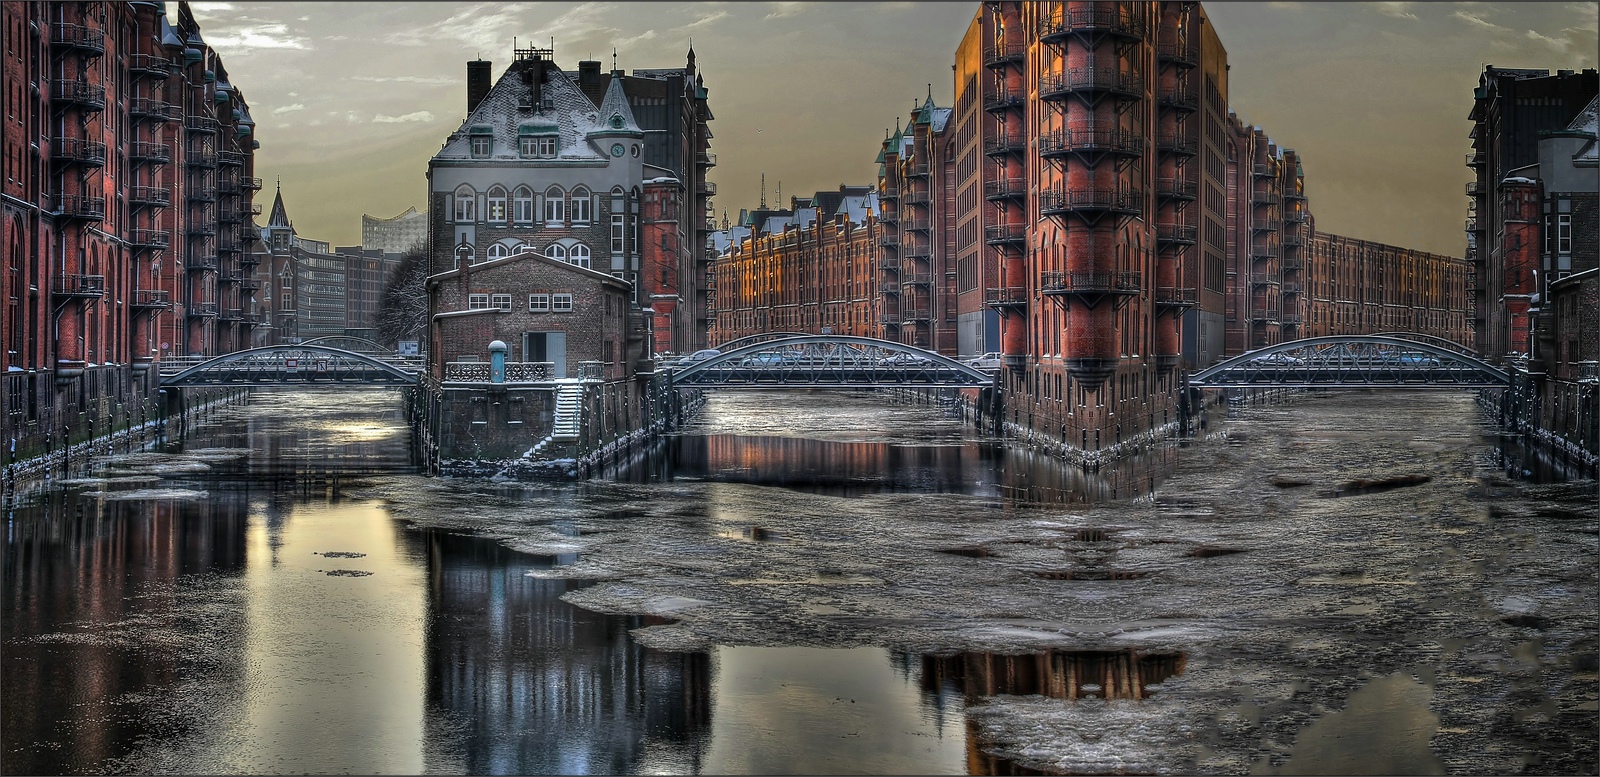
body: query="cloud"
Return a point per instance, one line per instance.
(483, 25)
(1397, 10)
(704, 20)
(781, 10)
(417, 116)
(1558, 45)
(266, 36)
(1464, 16)
(281, 110)
(338, 37)
(404, 79)
(627, 43)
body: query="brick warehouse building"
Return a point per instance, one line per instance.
(128, 181)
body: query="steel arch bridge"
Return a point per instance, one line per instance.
(829, 361)
(1354, 361)
(294, 365)
(759, 337)
(349, 343)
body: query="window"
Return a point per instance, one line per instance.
(579, 255)
(618, 237)
(522, 204)
(1564, 233)
(547, 146)
(557, 252)
(580, 205)
(288, 282)
(497, 205)
(466, 204)
(477, 302)
(538, 303)
(555, 206)
(482, 145)
(561, 303)
(502, 301)
(498, 251)
(528, 146)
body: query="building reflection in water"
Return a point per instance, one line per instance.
(982, 468)
(528, 684)
(84, 580)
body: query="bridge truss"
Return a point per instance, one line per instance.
(829, 361)
(1362, 361)
(296, 365)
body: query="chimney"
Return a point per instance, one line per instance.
(588, 73)
(477, 82)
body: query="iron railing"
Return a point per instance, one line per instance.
(77, 285)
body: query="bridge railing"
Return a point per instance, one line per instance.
(516, 372)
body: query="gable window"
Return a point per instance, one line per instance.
(497, 205)
(580, 205)
(538, 303)
(482, 140)
(502, 301)
(579, 255)
(522, 205)
(561, 303)
(547, 147)
(555, 206)
(528, 146)
(477, 302)
(466, 204)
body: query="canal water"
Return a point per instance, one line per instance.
(810, 583)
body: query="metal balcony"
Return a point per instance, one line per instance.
(1473, 225)
(1264, 279)
(1179, 99)
(889, 288)
(253, 184)
(78, 206)
(916, 252)
(1089, 283)
(999, 97)
(916, 225)
(1289, 319)
(78, 151)
(149, 197)
(1180, 234)
(707, 188)
(255, 210)
(149, 65)
(1001, 145)
(1006, 188)
(198, 158)
(1264, 316)
(918, 169)
(149, 238)
(200, 194)
(1263, 171)
(228, 243)
(156, 110)
(146, 152)
(1475, 159)
(1262, 253)
(1293, 263)
(916, 315)
(889, 240)
(1088, 80)
(1474, 189)
(1293, 241)
(200, 262)
(1100, 18)
(1293, 194)
(1295, 217)
(1176, 296)
(1054, 202)
(79, 286)
(1181, 144)
(705, 159)
(230, 316)
(1264, 198)
(889, 215)
(201, 124)
(918, 197)
(889, 263)
(1176, 189)
(150, 299)
(1264, 225)
(230, 277)
(1101, 141)
(201, 229)
(1179, 53)
(79, 94)
(203, 310)
(916, 279)
(230, 158)
(1005, 297)
(998, 53)
(77, 37)
(1005, 234)
(1289, 288)
(249, 284)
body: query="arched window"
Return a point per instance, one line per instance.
(522, 205)
(619, 209)
(555, 206)
(581, 206)
(497, 205)
(466, 204)
(499, 251)
(579, 255)
(523, 248)
(556, 251)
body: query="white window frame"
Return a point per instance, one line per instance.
(556, 251)
(477, 302)
(579, 255)
(466, 205)
(528, 146)
(501, 301)
(497, 205)
(498, 251)
(522, 205)
(561, 303)
(581, 210)
(538, 303)
(555, 207)
(482, 145)
(548, 147)
(619, 235)
(1563, 233)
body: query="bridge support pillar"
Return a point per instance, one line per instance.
(173, 406)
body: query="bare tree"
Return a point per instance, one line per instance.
(403, 310)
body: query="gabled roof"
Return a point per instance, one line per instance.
(279, 217)
(615, 115)
(562, 105)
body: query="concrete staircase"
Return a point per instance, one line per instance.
(569, 410)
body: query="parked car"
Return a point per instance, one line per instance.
(767, 360)
(904, 360)
(988, 361)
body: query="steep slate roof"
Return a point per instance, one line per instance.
(615, 105)
(1588, 120)
(279, 217)
(572, 113)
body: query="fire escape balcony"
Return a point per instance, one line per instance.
(1179, 99)
(79, 206)
(707, 188)
(1473, 225)
(889, 263)
(203, 310)
(915, 314)
(248, 284)
(77, 286)
(146, 152)
(1089, 80)
(1176, 189)
(917, 252)
(156, 110)
(1005, 297)
(1178, 234)
(1261, 253)
(1293, 195)
(149, 197)
(1263, 279)
(230, 215)
(201, 124)
(1101, 141)
(1002, 145)
(889, 288)
(77, 151)
(1474, 189)
(916, 225)
(1104, 18)
(889, 240)
(918, 197)
(1293, 241)
(200, 261)
(999, 97)
(1475, 159)
(1264, 198)
(1054, 202)
(229, 316)
(149, 238)
(230, 158)
(79, 94)
(1263, 171)
(198, 158)
(150, 65)
(916, 279)
(228, 242)
(1289, 288)
(252, 184)
(1006, 188)
(77, 37)
(1005, 234)
(998, 53)
(1293, 263)
(1176, 296)
(201, 229)
(705, 159)
(150, 299)
(200, 194)
(229, 276)
(1177, 143)
(1288, 318)
(1089, 283)
(1264, 225)
(1295, 217)
(918, 169)
(1264, 316)
(1179, 53)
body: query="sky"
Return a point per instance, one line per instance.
(352, 99)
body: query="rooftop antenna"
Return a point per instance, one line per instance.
(613, 59)
(780, 194)
(763, 191)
